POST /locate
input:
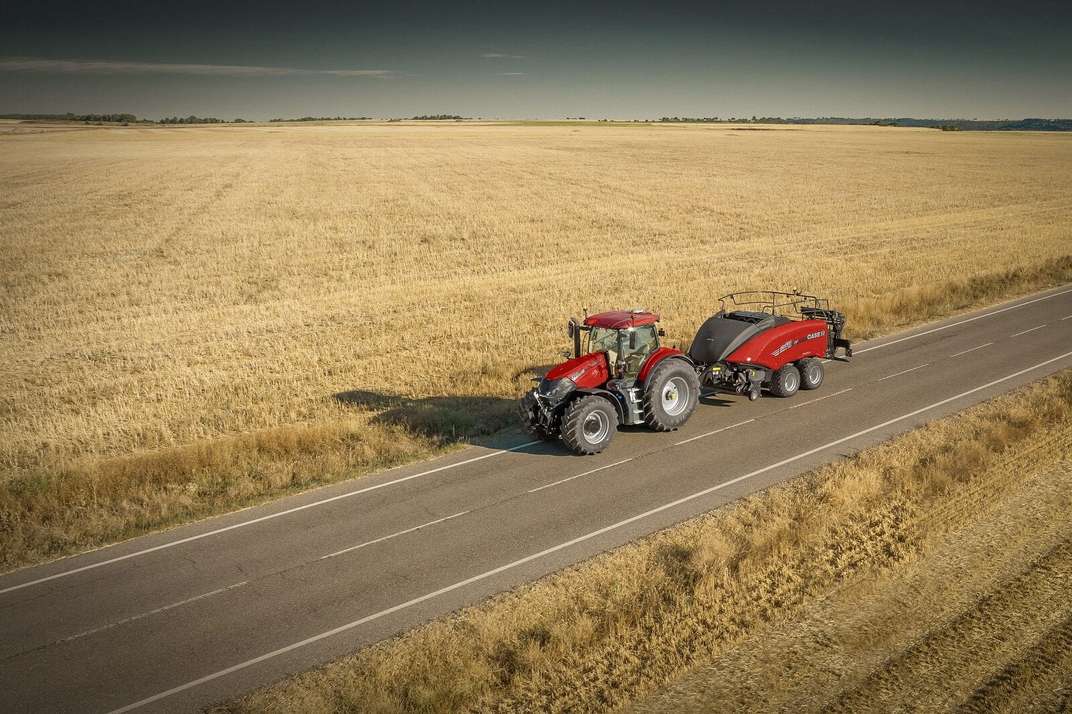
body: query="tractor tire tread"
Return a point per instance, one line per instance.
(652, 386)
(575, 412)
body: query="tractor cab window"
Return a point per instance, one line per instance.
(616, 343)
(602, 339)
(637, 344)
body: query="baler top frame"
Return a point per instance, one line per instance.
(774, 302)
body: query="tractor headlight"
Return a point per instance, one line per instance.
(555, 390)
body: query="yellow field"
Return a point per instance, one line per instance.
(192, 318)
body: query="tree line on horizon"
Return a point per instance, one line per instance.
(322, 119)
(1028, 124)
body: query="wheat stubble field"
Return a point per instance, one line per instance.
(196, 318)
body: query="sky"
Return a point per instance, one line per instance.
(259, 60)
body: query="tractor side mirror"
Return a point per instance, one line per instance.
(574, 330)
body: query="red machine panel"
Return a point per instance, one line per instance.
(782, 344)
(587, 371)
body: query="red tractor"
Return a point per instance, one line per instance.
(620, 374)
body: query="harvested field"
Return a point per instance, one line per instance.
(193, 319)
(929, 572)
(982, 621)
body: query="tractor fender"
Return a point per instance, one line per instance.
(606, 394)
(656, 357)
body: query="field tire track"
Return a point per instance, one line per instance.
(1005, 690)
(1007, 608)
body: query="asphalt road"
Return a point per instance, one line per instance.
(177, 620)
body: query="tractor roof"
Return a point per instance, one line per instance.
(618, 319)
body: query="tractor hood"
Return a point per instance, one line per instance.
(587, 371)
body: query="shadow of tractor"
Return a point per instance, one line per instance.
(445, 419)
(452, 419)
(485, 420)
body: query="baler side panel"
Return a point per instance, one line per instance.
(783, 344)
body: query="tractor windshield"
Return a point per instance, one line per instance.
(602, 339)
(616, 343)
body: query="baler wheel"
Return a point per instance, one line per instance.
(811, 373)
(785, 381)
(588, 425)
(671, 393)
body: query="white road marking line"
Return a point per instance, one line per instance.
(979, 347)
(1026, 331)
(819, 399)
(389, 537)
(961, 322)
(261, 519)
(561, 546)
(904, 371)
(1066, 317)
(716, 431)
(158, 610)
(570, 478)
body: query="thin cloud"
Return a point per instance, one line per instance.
(511, 74)
(499, 55)
(27, 64)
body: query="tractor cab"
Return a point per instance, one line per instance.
(628, 337)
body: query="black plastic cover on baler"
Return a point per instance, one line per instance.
(719, 336)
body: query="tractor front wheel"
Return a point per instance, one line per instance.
(785, 381)
(811, 373)
(588, 424)
(671, 393)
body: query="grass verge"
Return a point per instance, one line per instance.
(923, 303)
(47, 514)
(623, 624)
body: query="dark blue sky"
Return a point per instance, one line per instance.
(508, 59)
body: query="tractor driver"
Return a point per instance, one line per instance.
(643, 339)
(637, 344)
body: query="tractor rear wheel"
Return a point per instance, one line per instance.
(671, 393)
(588, 424)
(785, 381)
(811, 373)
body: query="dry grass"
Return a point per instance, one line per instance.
(186, 298)
(980, 620)
(623, 624)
